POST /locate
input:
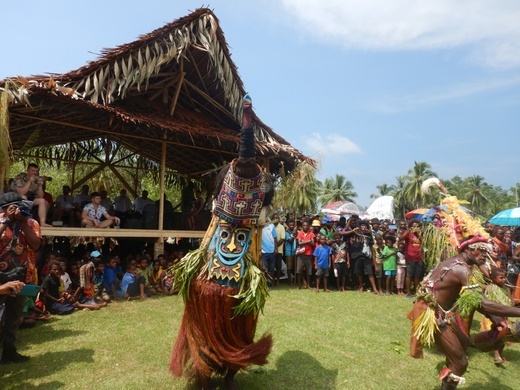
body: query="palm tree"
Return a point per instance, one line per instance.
(420, 172)
(384, 189)
(473, 193)
(298, 191)
(336, 189)
(398, 192)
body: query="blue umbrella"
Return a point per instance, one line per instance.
(509, 217)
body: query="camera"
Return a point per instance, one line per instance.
(44, 178)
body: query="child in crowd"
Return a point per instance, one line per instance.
(156, 277)
(389, 257)
(100, 293)
(290, 250)
(110, 278)
(56, 302)
(401, 268)
(497, 292)
(341, 265)
(65, 277)
(144, 270)
(167, 281)
(378, 247)
(322, 257)
(133, 285)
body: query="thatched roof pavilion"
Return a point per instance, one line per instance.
(176, 86)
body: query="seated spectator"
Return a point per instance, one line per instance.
(110, 278)
(100, 293)
(65, 277)
(139, 204)
(144, 270)
(156, 277)
(106, 202)
(30, 186)
(80, 201)
(122, 207)
(93, 212)
(167, 281)
(133, 285)
(55, 301)
(65, 207)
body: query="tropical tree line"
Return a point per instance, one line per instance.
(302, 193)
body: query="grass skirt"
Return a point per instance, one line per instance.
(211, 339)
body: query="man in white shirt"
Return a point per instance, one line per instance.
(140, 202)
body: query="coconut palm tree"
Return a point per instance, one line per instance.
(384, 189)
(473, 192)
(420, 172)
(336, 189)
(298, 191)
(401, 206)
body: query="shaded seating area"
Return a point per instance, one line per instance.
(167, 103)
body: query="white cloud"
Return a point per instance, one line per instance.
(490, 28)
(330, 144)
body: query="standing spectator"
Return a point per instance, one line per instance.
(193, 220)
(92, 213)
(290, 249)
(269, 241)
(341, 265)
(122, 207)
(15, 227)
(363, 253)
(306, 240)
(322, 263)
(413, 255)
(327, 230)
(389, 257)
(280, 239)
(401, 268)
(30, 186)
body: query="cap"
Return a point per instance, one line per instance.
(10, 198)
(316, 223)
(95, 254)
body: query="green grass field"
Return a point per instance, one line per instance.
(333, 340)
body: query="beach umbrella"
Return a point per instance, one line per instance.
(509, 217)
(341, 208)
(417, 214)
(382, 208)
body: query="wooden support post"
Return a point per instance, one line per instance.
(161, 183)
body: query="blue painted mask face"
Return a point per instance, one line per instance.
(229, 246)
(232, 244)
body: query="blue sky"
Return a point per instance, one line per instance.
(367, 88)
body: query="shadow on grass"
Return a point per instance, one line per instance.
(20, 376)
(294, 370)
(44, 334)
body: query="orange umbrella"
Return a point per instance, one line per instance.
(417, 213)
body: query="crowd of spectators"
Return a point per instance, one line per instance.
(95, 209)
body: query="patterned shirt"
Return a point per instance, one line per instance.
(92, 213)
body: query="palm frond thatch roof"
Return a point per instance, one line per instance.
(176, 84)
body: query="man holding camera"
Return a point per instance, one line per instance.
(30, 186)
(20, 238)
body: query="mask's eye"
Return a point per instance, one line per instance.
(224, 234)
(241, 236)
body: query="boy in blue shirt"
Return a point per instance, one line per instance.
(322, 257)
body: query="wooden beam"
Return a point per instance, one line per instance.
(103, 131)
(161, 183)
(126, 233)
(211, 100)
(178, 87)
